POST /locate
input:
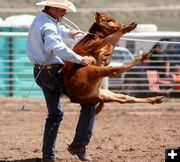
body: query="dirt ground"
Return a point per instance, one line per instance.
(122, 133)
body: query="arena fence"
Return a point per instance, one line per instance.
(16, 72)
(136, 82)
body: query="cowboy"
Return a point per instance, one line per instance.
(47, 51)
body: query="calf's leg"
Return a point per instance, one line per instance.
(105, 71)
(109, 96)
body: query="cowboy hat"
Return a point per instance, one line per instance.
(59, 4)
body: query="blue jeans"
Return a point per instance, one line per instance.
(51, 83)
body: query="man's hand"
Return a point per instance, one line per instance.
(73, 33)
(86, 60)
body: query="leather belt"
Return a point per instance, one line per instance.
(48, 67)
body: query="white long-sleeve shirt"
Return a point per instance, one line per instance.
(45, 44)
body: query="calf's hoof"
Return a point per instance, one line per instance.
(156, 100)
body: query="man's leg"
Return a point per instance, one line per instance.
(52, 123)
(50, 83)
(83, 132)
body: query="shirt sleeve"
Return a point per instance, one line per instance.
(63, 30)
(53, 43)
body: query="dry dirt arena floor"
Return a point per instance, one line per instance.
(122, 133)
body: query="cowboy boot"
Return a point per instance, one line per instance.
(47, 158)
(80, 151)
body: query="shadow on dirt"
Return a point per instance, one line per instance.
(23, 160)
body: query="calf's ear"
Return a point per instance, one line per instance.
(98, 17)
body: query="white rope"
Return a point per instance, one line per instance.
(147, 40)
(70, 23)
(27, 97)
(68, 26)
(76, 27)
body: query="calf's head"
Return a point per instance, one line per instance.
(105, 25)
(106, 33)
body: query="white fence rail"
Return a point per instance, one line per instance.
(16, 72)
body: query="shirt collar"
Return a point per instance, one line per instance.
(45, 14)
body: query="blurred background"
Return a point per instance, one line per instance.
(158, 23)
(164, 13)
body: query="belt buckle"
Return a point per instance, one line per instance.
(48, 67)
(38, 67)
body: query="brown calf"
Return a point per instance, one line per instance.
(83, 83)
